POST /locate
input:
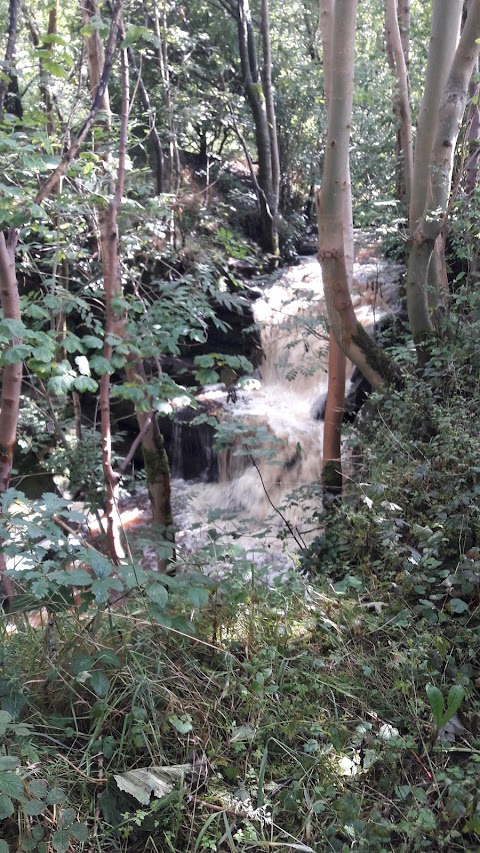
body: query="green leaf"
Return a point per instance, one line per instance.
(8, 762)
(57, 71)
(206, 377)
(74, 577)
(437, 704)
(33, 808)
(61, 840)
(38, 787)
(15, 354)
(457, 605)
(36, 312)
(455, 697)
(56, 797)
(6, 807)
(99, 683)
(181, 724)
(43, 353)
(53, 38)
(92, 342)
(11, 785)
(157, 593)
(198, 596)
(5, 719)
(79, 831)
(85, 383)
(3, 844)
(60, 385)
(101, 589)
(100, 365)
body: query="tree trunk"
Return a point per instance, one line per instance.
(156, 464)
(401, 101)
(349, 333)
(7, 65)
(337, 363)
(268, 190)
(473, 134)
(11, 379)
(440, 168)
(270, 103)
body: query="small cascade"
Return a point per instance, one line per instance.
(276, 436)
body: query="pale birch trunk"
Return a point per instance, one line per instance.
(348, 332)
(424, 291)
(428, 226)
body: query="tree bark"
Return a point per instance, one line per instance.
(263, 128)
(332, 479)
(348, 332)
(158, 160)
(156, 463)
(7, 64)
(269, 102)
(440, 168)
(401, 104)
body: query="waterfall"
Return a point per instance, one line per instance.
(276, 440)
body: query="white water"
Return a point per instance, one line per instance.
(291, 314)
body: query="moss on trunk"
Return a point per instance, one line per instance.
(377, 358)
(332, 481)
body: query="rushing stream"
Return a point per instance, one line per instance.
(275, 414)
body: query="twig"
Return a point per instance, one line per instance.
(285, 520)
(137, 441)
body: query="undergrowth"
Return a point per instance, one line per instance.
(336, 714)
